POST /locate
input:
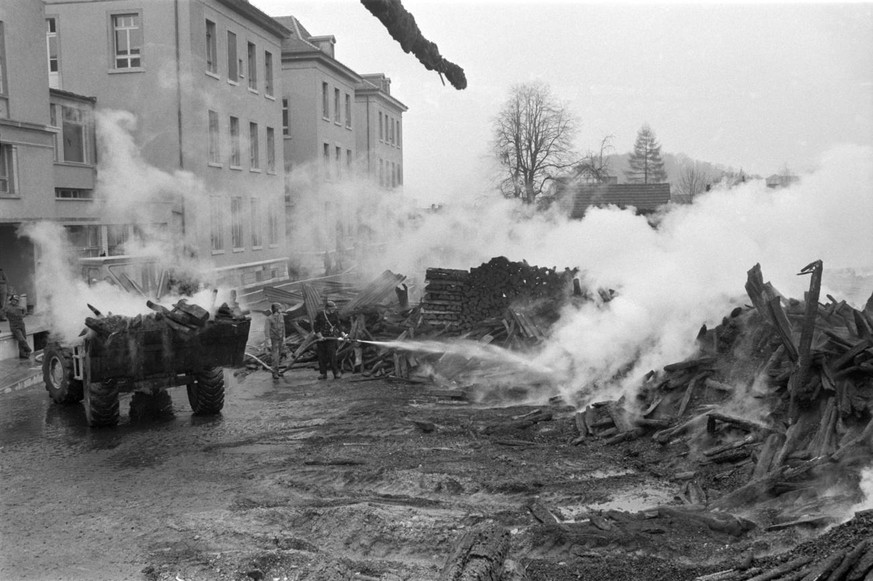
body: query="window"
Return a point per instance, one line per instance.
(398, 133)
(211, 48)
(73, 194)
(338, 161)
(127, 38)
(85, 239)
(325, 161)
(254, 153)
(386, 128)
(349, 160)
(273, 227)
(232, 64)
(253, 67)
(336, 105)
(399, 176)
(268, 73)
(325, 103)
(214, 139)
(216, 228)
(117, 236)
(8, 166)
(348, 111)
(234, 142)
(285, 116)
(271, 150)
(257, 224)
(51, 41)
(236, 229)
(4, 105)
(381, 132)
(73, 134)
(392, 130)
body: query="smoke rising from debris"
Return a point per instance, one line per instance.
(127, 188)
(669, 280)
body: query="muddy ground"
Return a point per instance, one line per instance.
(351, 479)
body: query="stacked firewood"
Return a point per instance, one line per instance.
(463, 298)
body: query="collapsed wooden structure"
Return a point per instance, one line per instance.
(503, 303)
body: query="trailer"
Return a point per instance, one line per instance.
(145, 355)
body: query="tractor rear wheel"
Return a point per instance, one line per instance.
(206, 393)
(57, 373)
(150, 405)
(101, 403)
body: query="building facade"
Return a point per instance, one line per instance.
(194, 85)
(379, 130)
(47, 146)
(342, 132)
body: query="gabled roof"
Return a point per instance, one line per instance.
(298, 39)
(257, 16)
(646, 198)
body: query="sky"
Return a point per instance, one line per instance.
(749, 86)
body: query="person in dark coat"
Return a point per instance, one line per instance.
(328, 332)
(4, 288)
(15, 314)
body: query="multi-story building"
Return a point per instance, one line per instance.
(379, 130)
(193, 85)
(340, 129)
(47, 147)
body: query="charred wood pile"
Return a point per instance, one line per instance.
(845, 553)
(773, 409)
(461, 298)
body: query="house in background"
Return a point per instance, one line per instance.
(782, 180)
(646, 199)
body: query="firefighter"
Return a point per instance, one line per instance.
(328, 331)
(15, 314)
(274, 331)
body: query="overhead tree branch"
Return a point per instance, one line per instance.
(402, 27)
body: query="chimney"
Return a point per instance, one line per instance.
(325, 44)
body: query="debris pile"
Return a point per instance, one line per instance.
(843, 553)
(503, 303)
(772, 413)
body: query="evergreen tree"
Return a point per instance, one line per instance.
(646, 165)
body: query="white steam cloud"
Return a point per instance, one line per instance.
(689, 271)
(127, 190)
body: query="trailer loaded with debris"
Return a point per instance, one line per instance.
(145, 355)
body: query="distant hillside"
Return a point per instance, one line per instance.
(674, 163)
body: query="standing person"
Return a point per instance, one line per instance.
(274, 331)
(4, 288)
(329, 332)
(15, 315)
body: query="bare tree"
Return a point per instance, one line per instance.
(533, 137)
(594, 166)
(692, 181)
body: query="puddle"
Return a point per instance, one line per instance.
(603, 474)
(629, 500)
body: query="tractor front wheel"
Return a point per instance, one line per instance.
(101, 403)
(57, 374)
(206, 393)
